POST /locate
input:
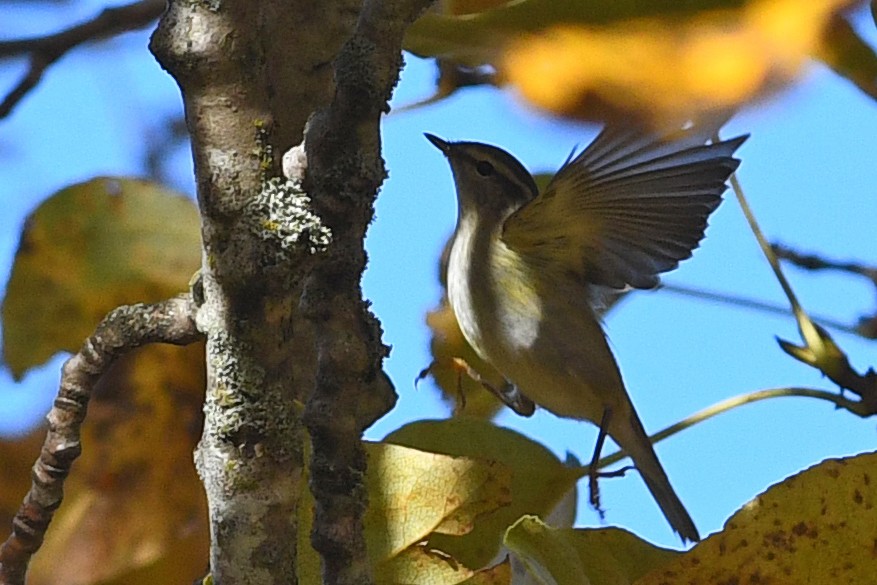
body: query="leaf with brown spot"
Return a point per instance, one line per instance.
(816, 527)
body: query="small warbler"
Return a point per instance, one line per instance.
(526, 267)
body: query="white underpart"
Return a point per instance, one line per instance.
(500, 330)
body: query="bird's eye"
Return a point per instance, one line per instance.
(484, 168)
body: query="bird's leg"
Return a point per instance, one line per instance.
(593, 474)
(461, 397)
(508, 393)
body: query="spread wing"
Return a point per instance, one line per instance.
(630, 206)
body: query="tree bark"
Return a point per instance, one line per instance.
(282, 306)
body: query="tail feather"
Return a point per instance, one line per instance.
(631, 436)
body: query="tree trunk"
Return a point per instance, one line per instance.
(290, 341)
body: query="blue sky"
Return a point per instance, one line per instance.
(808, 169)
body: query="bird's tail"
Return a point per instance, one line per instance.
(631, 436)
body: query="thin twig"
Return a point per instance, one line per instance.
(122, 330)
(861, 409)
(750, 303)
(47, 49)
(819, 350)
(816, 262)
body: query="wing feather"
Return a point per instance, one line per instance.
(630, 206)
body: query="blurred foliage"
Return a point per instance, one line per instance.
(134, 510)
(661, 62)
(88, 249)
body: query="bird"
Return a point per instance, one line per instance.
(527, 269)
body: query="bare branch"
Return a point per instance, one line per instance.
(46, 50)
(755, 304)
(861, 409)
(344, 171)
(817, 262)
(867, 325)
(122, 330)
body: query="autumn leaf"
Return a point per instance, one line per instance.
(88, 249)
(424, 566)
(567, 556)
(414, 493)
(659, 61)
(134, 509)
(815, 527)
(708, 64)
(539, 480)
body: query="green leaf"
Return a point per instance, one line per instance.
(607, 556)
(815, 527)
(539, 479)
(547, 555)
(88, 249)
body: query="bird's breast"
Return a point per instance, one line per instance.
(493, 294)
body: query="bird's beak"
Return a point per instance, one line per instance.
(443, 146)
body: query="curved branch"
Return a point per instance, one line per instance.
(122, 330)
(47, 49)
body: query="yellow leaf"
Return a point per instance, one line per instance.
(88, 249)
(413, 493)
(815, 527)
(665, 62)
(419, 565)
(539, 480)
(669, 70)
(474, 33)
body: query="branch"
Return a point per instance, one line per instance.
(819, 350)
(757, 305)
(816, 262)
(46, 50)
(122, 330)
(859, 408)
(867, 326)
(343, 169)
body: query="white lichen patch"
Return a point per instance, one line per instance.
(281, 216)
